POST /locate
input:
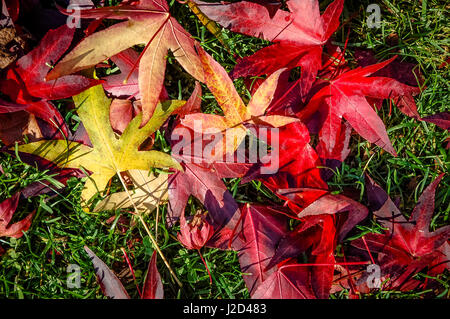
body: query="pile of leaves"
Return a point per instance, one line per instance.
(288, 247)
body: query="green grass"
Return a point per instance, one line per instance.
(34, 266)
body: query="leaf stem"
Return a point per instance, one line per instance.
(155, 244)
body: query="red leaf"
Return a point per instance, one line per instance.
(290, 281)
(26, 81)
(299, 35)
(298, 162)
(202, 179)
(196, 233)
(336, 204)
(407, 246)
(7, 210)
(440, 119)
(153, 287)
(108, 281)
(146, 22)
(345, 97)
(262, 228)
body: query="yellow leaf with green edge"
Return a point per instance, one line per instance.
(109, 154)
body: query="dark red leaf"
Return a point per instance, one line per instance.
(440, 119)
(108, 281)
(153, 287)
(262, 228)
(7, 209)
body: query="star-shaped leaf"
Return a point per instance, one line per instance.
(109, 155)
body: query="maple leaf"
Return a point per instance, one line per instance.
(298, 161)
(324, 223)
(407, 246)
(148, 22)
(261, 229)
(7, 209)
(315, 238)
(299, 35)
(236, 113)
(109, 155)
(25, 82)
(345, 97)
(289, 281)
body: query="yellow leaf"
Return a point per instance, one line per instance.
(109, 154)
(149, 192)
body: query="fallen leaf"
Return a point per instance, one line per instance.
(108, 281)
(7, 209)
(109, 155)
(231, 126)
(147, 22)
(345, 97)
(299, 35)
(408, 245)
(153, 287)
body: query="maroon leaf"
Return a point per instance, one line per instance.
(153, 287)
(262, 228)
(404, 72)
(289, 281)
(108, 281)
(440, 119)
(316, 239)
(7, 209)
